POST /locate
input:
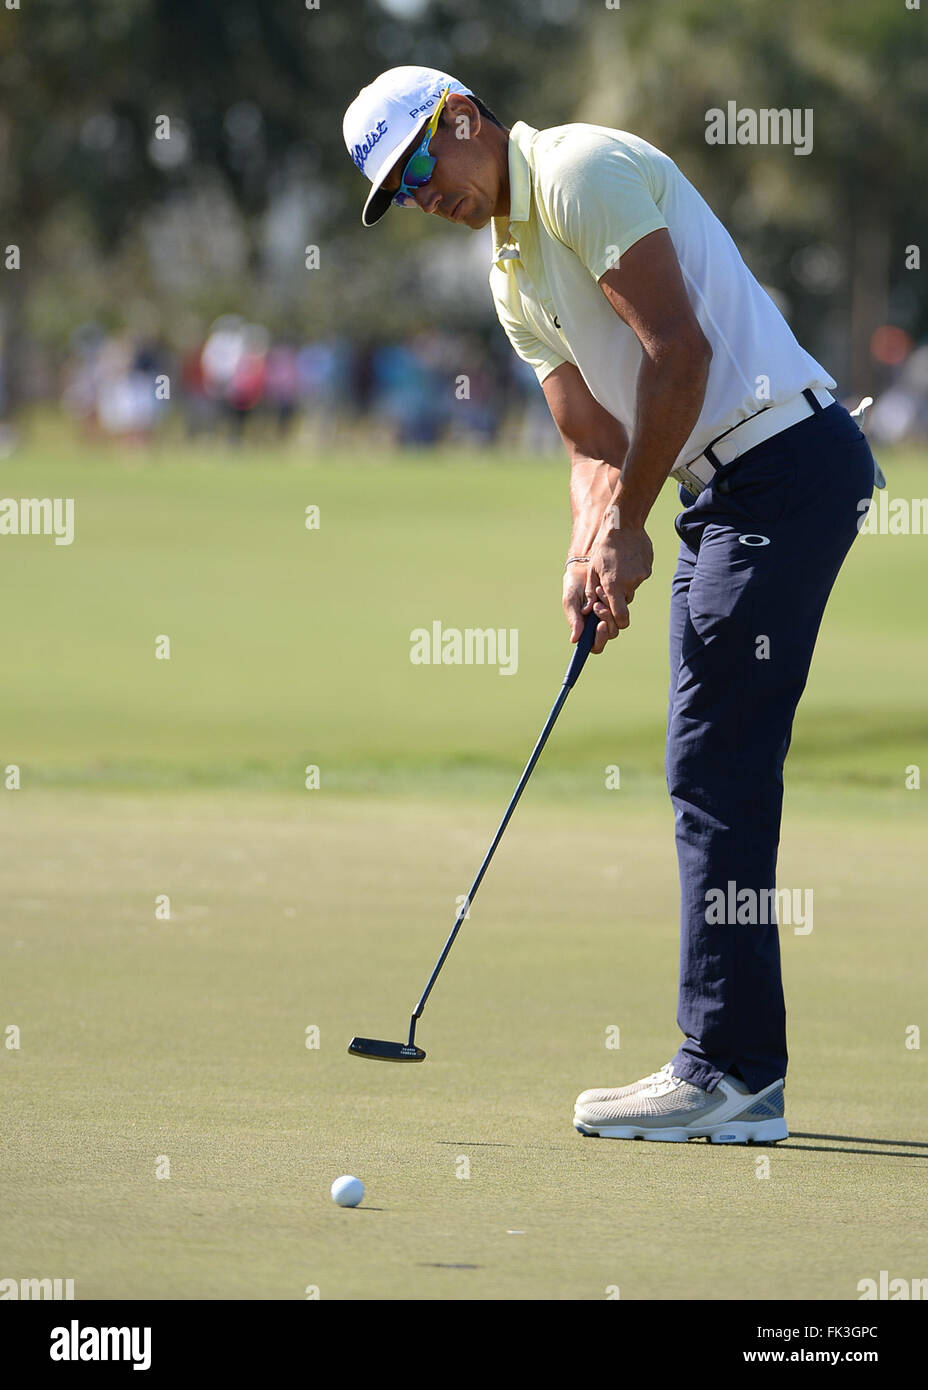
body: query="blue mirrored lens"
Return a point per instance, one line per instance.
(418, 170)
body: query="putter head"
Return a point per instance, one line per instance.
(377, 1051)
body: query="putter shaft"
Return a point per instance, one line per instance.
(573, 671)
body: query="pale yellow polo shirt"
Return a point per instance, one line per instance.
(580, 197)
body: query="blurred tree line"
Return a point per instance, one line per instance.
(119, 226)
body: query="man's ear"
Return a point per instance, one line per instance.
(463, 110)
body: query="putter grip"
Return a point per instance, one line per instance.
(582, 650)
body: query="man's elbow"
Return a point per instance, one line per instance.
(698, 351)
(685, 349)
(686, 356)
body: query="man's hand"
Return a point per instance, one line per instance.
(620, 560)
(575, 605)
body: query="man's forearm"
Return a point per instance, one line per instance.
(592, 484)
(669, 398)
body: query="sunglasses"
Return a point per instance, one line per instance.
(419, 166)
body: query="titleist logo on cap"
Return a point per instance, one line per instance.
(373, 137)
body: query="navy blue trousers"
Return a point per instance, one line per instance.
(760, 550)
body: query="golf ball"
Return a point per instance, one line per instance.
(347, 1191)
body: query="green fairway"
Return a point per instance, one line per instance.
(186, 1039)
(144, 1038)
(292, 646)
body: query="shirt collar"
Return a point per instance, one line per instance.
(505, 229)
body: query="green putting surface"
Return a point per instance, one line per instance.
(185, 1039)
(177, 1045)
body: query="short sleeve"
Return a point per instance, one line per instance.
(598, 196)
(540, 356)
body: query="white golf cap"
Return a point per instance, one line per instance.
(382, 120)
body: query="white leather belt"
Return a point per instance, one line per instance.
(699, 472)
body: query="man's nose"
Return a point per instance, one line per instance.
(427, 197)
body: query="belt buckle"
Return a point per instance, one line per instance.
(689, 480)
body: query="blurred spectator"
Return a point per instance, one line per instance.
(282, 384)
(409, 393)
(329, 387)
(109, 385)
(221, 352)
(245, 388)
(126, 406)
(200, 409)
(81, 376)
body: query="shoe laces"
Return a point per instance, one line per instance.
(667, 1083)
(665, 1074)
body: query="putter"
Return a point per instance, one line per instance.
(374, 1048)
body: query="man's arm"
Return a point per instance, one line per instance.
(648, 293)
(596, 445)
(614, 483)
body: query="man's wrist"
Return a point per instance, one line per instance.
(634, 495)
(624, 513)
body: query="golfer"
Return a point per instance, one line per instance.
(660, 356)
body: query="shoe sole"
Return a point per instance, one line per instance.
(737, 1132)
